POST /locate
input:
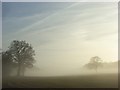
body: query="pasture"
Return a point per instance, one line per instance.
(78, 81)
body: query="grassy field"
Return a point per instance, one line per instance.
(81, 81)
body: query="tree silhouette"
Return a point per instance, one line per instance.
(22, 54)
(94, 63)
(7, 63)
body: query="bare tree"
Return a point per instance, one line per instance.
(22, 54)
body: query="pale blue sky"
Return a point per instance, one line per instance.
(64, 35)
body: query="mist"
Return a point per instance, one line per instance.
(60, 44)
(106, 69)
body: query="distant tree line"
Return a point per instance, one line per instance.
(97, 63)
(20, 55)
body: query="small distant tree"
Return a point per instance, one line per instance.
(22, 54)
(94, 63)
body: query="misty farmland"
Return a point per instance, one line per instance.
(59, 45)
(18, 72)
(80, 81)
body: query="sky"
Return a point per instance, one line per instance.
(60, 0)
(64, 35)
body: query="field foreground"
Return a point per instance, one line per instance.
(81, 81)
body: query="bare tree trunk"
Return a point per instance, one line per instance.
(96, 70)
(19, 69)
(23, 70)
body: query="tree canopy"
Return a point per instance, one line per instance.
(21, 54)
(94, 63)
